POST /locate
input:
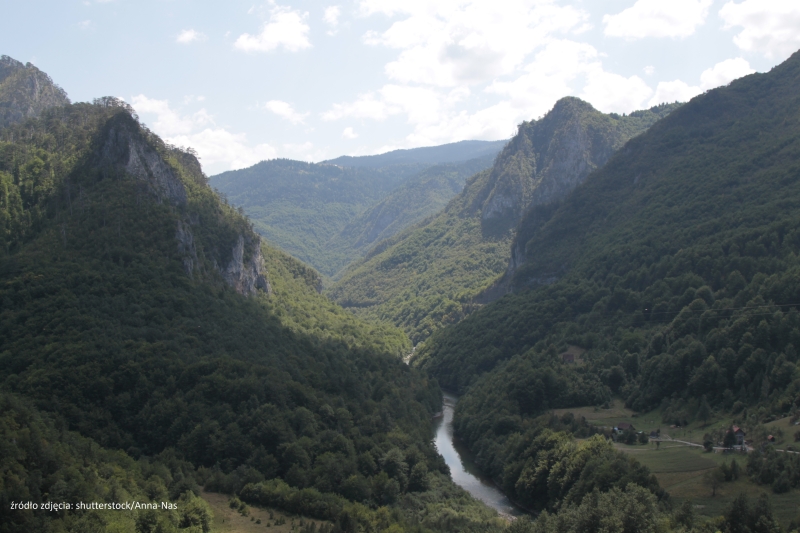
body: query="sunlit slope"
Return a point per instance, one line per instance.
(675, 264)
(142, 312)
(669, 278)
(329, 214)
(428, 276)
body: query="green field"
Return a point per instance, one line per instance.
(680, 468)
(227, 520)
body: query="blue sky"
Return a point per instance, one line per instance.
(241, 81)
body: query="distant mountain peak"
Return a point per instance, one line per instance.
(455, 152)
(26, 91)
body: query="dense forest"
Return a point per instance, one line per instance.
(431, 275)
(331, 213)
(674, 267)
(145, 354)
(154, 349)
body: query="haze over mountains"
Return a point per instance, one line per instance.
(329, 214)
(429, 276)
(153, 345)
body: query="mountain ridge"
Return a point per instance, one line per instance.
(464, 248)
(445, 153)
(173, 378)
(673, 268)
(25, 91)
(330, 215)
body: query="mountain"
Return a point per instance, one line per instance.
(152, 344)
(424, 195)
(672, 271)
(329, 214)
(428, 276)
(301, 206)
(25, 91)
(428, 155)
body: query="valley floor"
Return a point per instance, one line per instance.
(680, 467)
(257, 520)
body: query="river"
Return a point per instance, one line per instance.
(463, 470)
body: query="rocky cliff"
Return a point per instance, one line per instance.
(247, 275)
(125, 149)
(25, 91)
(549, 157)
(546, 161)
(433, 274)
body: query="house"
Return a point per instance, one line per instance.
(739, 434)
(624, 426)
(568, 358)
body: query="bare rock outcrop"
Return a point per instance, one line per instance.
(25, 91)
(247, 275)
(124, 149)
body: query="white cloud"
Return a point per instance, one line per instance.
(674, 91)
(190, 36)
(720, 74)
(724, 72)
(348, 133)
(85, 24)
(558, 69)
(366, 106)
(218, 148)
(431, 111)
(454, 42)
(657, 18)
(285, 28)
(285, 110)
(562, 68)
(331, 18)
(191, 98)
(168, 121)
(612, 93)
(649, 70)
(544, 80)
(771, 27)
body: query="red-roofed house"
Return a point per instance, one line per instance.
(739, 434)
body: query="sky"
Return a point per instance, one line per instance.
(241, 82)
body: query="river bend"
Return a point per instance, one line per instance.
(463, 470)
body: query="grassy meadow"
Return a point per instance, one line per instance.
(256, 519)
(680, 468)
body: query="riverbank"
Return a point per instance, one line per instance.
(463, 470)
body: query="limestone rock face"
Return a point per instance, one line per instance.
(25, 91)
(246, 275)
(186, 247)
(542, 165)
(125, 150)
(545, 161)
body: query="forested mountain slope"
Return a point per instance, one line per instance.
(25, 91)
(329, 215)
(144, 314)
(424, 195)
(428, 276)
(674, 266)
